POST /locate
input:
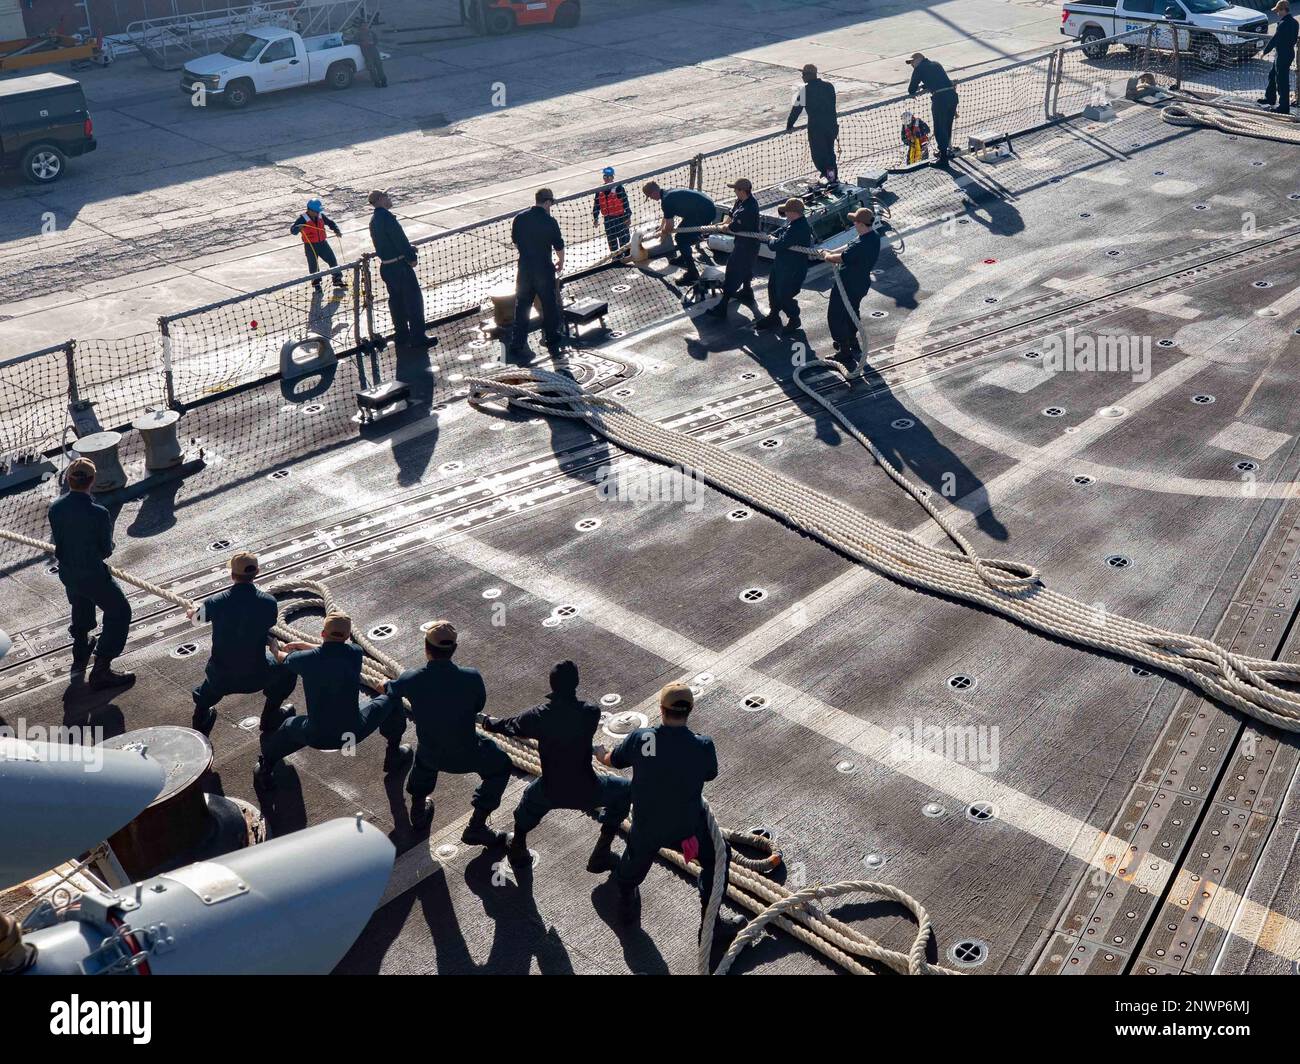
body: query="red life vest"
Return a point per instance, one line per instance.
(313, 229)
(611, 203)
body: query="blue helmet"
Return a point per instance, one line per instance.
(314, 205)
(607, 172)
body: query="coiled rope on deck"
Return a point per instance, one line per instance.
(1240, 120)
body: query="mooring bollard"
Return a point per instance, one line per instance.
(101, 448)
(162, 449)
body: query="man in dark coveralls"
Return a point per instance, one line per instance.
(397, 269)
(789, 268)
(694, 209)
(537, 235)
(563, 726)
(818, 98)
(856, 262)
(446, 700)
(929, 75)
(242, 617)
(331, 679)
(739, 277)
(82, 531)
(1277, 95)
(670, 765)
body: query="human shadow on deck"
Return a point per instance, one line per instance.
(518, 931)
(913, 448)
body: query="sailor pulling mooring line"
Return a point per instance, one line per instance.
(242, 662)
(789, 268)
(696, 212)
(446, 700)
(564, 728)
(737, 281)
(83, 542)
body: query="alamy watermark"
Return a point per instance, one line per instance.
(966, 744)
(64, 743)
(652, 485)
(1072, 352)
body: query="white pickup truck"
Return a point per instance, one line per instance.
(268, 59)
(1207, 29)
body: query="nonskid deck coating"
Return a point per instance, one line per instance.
(840, 658)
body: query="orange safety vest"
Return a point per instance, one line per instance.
(611, 203)
(313, 229)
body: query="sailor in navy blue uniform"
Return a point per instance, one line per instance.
(684, 208)
(670, 765)
(397, 269)
(855, 263)
(541, 260)
(789, 268)
(331, 680)
(738, 280)
(929, 75)
(242, 617)
(446, 700)
(563, 726)
(1277, 95)
(82, 531)
(818, 98)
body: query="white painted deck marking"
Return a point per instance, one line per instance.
(1243, 438)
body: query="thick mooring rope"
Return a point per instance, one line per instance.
(793, 912)
(1005, 587)
(1228, 117)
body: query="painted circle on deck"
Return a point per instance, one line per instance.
(621, 725)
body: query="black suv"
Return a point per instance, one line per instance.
(43, 120)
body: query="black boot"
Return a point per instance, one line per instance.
(478, 832)
(204, 719)
(396, 758)
(264, 775)
(103, 676)
(602, 859)
(517, 852)
(767, 321)
(629, 905)
(81, 651)
(274, 716)
(421, 811)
